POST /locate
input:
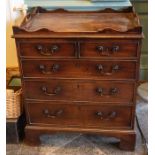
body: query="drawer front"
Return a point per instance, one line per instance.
(48, 49)
(79, 115)
(97, 91)
(55, 114)
(107, 116)
(101, 49)
(79, 69)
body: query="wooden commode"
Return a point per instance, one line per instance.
(79, 72)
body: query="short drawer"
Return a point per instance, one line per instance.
(76, 90)
(55, 113)
(47, 49)
(107, 116)
(107, 69)
(109, 48)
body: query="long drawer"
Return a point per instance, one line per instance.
(107, 69)
(79, 115)
(79, 90)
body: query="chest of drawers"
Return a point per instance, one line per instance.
(79, 72)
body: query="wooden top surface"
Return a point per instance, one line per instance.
(42, 23)
(81, 22)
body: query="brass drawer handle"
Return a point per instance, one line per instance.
(53, 114)
(115, 48)
(100, 91)
(112, 91)
(56, 91)
(102, 115)
(114, 68)
(106, 51)
(45, 51)
(55, 67)
(43, 69)
(42, 50)
(54, 48)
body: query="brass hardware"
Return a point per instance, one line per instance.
(103, 50)
(100, 48)
(115, 48)
(43, 69)
(114, 68)
(112, 91)
(112, 115)
(100, 67)
(100, 91)
(56, 91)
(45, 51)
(52, 114)
(105, 116)
(54, 48)
(106, 51)
(39, 47)
(99, 113)
(55, 68)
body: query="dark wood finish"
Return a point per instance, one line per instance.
(91, 22)
(49, 49)
(57, 114)
(80, 75)
(72, 90)
(109, 48)
(89, 69)
(77, 114)
(58, 48)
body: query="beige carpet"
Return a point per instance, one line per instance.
(82, 144)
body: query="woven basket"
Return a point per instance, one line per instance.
(13, 103)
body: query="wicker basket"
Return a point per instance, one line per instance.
(13, 103)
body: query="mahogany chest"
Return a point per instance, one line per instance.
(79, 72)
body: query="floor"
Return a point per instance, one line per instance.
(83, 144)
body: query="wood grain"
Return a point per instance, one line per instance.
(80, 115)
(79, 90)
(78, 68)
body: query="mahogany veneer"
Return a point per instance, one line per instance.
(80, 72)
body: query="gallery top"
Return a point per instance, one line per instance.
(62, 21)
